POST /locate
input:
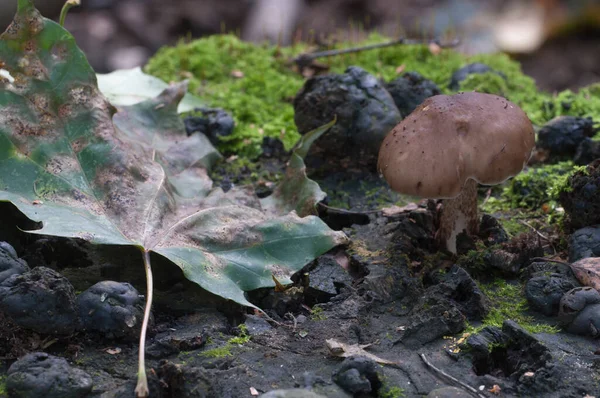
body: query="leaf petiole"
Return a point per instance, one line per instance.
(65, 9)
(141, 389)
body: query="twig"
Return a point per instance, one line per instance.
(344, 211)
(304, 60)
(534, 230)
(290, 315)
(451, 378)
(550, 260)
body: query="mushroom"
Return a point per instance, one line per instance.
(447, 145)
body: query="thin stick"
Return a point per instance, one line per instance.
(451, 378)
(305, 59)
(65, 9)
(141, 390)
(534, 230)
(550, 260)
(344, 211)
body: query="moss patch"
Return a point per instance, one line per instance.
(509, 302)
(225, 350)
(536, 189)
(259, 97)
(256, 83)
(391, 392)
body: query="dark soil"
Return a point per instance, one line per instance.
(390, 291)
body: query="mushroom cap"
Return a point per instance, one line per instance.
(451, 138)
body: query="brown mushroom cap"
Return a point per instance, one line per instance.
(448, 139)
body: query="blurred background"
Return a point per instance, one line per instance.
(557, 41)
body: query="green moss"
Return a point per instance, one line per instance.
(391, 392)
(513, 227)
(3, 391)
(316, 314)
(225, 350)
(260, 101)
(489, 82)
(508, 302)
(243, 338)
(219, 352)
(539, 185)
(584, 103)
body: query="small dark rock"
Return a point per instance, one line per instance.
(581, 200)
(114, 309)
(481, 346)
(213, 122)
(587, 152)
(413, 233)
(358, 375)
(391, 281)
(365, 114)
(507, 351)
(428, 323)
(587, 322)
(41, 300)
(561, 136)
(338, 219)
(42, 375)
(184, 381)
(457, 286)
(10, 263)
(545, 291)
(188, 333)
(257, 325)
(491, 231)
(574, 302)
(273, 148)
(325, 280)
(474, 68)
(584, 243)
(410, 90)
(279, 303)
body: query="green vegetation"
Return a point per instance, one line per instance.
(225, 350)
(537, 189)
(539, 185)
(391, 392)
(259, 97)
(509, 302)
(3, 391)
(317, 314)
(256, 82)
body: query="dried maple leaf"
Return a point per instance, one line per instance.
(587, 271)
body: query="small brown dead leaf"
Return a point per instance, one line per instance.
(238, 74)
(113, 351)
(587, 271)
(400, 69)
(495, 389)
(278, 286)
(347, 350)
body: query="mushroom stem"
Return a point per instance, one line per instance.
(459, 214)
